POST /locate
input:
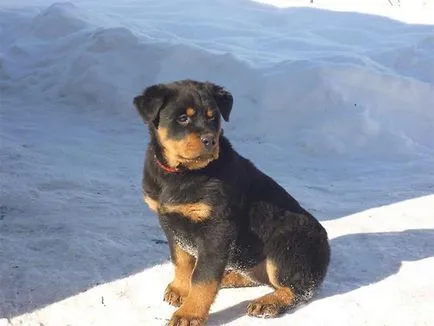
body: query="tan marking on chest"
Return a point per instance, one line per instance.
(152, 203)
(197, 212)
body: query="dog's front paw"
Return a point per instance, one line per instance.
(173, 296)
(180, 318)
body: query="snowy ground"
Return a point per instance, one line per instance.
(336, 105)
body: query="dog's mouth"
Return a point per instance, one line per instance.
(198, 162)
(200, 158)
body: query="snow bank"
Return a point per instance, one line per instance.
(410, 11)
(336, 89)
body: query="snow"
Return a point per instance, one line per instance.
(381, 273)
(334, 100)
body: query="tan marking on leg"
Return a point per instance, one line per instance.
(178, 289)
(195, 309)
(196, 212)
(152, 203)
(232, 279)
(275, 303)
(271, 269)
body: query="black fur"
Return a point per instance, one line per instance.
(252, 219)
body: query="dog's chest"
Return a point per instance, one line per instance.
(182, 211)
(184, 232)
(191, 199)
(183, 207)
(187, 244)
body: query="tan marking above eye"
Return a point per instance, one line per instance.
(196, 212)
(210, 113)
(190, 112)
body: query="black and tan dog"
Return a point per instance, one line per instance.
(227, 223)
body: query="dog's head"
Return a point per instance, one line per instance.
(184, 117)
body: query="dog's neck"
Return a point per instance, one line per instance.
(157, 153)
(166, 168)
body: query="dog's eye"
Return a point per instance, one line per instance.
(183, 119)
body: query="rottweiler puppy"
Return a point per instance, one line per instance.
(227, 223)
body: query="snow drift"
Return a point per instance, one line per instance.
(337, 106)
(358, 90)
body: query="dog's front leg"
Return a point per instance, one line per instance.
(179, 288)
(205, 282)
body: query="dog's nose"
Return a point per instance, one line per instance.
(208, 141)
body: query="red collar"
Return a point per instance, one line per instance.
(167, 169)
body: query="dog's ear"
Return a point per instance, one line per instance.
(150, 102)
(223, 98)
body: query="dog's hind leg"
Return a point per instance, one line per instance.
(234, 279)
(296, 264)
(275, 303)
